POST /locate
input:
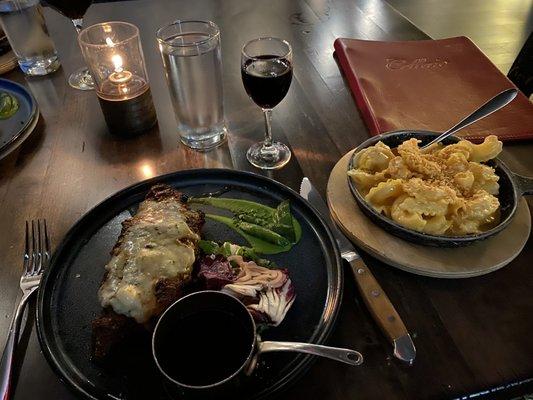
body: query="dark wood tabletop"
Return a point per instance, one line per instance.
(472, 335)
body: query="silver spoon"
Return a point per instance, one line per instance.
(494, 104)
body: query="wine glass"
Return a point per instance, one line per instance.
(75, 10)
(266, 69)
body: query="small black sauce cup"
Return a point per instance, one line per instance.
(193, 304)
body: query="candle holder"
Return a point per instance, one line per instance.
(113, 53)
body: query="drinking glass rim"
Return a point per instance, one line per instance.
(87, 44)
(210, 36)
(289, 48)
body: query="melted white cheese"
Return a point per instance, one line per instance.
(150, 250)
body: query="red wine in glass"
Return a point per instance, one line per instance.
(266, 70)
(73, 9)
(267, 79)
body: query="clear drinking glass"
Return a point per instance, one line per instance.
(266, 69)
(75, 10)
(193, 67)
(24, 25)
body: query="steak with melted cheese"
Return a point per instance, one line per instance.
(150, 264)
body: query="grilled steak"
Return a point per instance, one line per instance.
(151, 263)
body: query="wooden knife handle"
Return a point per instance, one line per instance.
(377, 301)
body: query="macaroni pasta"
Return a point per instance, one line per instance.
(442, 190)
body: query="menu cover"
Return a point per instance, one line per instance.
(430, 85)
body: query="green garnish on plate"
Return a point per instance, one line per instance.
(230, 249)
(9, 105)
(268, 230)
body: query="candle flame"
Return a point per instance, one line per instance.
(109, 42)
(117, 62)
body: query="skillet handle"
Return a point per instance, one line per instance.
(524, 184)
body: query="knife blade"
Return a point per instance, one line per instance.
(374, 297)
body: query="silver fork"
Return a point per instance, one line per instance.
(36, 259)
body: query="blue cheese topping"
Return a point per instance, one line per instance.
(157, 244)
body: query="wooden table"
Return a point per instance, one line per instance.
(471, 335)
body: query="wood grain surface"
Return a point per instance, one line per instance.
(499, 27)
(461, 262)
(471, 335)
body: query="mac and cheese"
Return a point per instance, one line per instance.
(442, 190)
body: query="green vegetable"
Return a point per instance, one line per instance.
(9, 105)
(236, 206)
(273, 229)
(258, 244)
(228, 249)
(210, 247)
(262, 233)
(284, 222)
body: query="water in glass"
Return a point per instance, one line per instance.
(24, 25)
(194, 77)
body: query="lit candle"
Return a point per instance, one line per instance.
(120, 76)
(113, 53)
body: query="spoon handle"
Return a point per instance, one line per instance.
(347, 356)
(494, 104)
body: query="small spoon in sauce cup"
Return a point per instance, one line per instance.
(206, 342)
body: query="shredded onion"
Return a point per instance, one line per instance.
(271, 290)
(253, 274)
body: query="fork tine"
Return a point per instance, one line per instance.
(27, 261)
(33, 248)
(40, 246)
(47, 247)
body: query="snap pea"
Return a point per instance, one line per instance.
(259, 245)
(284, 221)
(263, 233)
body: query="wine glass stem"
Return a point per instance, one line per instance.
(267, 112)
(78, 24)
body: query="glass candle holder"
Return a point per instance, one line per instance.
(113, 53)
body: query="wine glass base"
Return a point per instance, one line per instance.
(274, 156)
(81, 79)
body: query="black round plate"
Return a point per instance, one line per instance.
(67, 301)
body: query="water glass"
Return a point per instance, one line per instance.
(193, 67)
(23, 23)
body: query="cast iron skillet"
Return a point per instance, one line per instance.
(67, 299)
(512, 188)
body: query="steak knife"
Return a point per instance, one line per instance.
(375, 299)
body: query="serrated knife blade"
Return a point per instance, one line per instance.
(375, 299)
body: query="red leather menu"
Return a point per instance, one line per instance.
(431, 85)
